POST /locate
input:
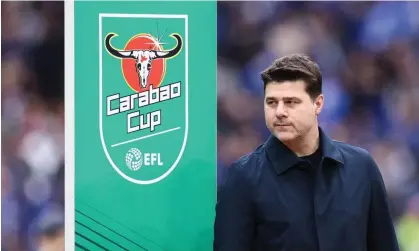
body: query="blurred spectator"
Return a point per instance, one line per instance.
(408, 227)
(368, 53)
(48, 229)
(32, 125)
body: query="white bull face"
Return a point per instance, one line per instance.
(143, 58)
(143, 64)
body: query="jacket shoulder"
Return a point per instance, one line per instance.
(248, 165)
(251, 158)
(243, 170)
(349, 150)
(358, 157)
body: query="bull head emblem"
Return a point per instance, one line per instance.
(143, 58)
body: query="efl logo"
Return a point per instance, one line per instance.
(143, 93)
(134, 159)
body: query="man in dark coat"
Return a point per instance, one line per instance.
(301, 190)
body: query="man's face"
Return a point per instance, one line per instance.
(290, 113)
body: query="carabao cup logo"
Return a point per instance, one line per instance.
(143, 101)
(149, 63)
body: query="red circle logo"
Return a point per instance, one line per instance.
(143, 72)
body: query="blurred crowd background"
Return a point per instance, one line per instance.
(32, 96)
(368, 53)
(369, 56)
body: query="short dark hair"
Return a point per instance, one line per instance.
(292, 68)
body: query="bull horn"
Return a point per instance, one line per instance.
(114, 52)
(173, 52)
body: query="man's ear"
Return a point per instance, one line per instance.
(319, 102)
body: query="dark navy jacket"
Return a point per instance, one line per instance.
(270, 202)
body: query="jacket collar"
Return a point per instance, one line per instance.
(283, 158)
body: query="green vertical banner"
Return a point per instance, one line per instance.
(145, 125)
